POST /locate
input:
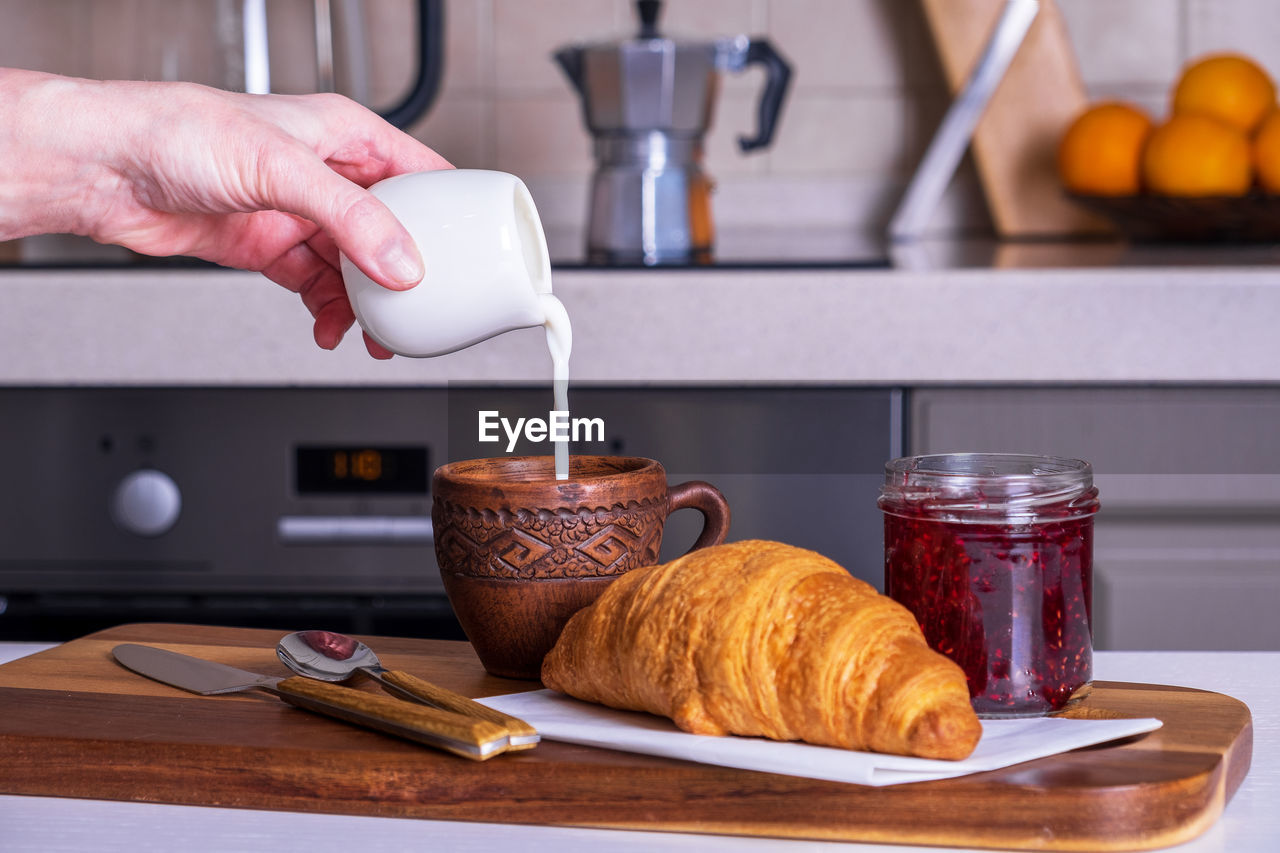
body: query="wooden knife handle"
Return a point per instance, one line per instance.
(469, 737)
(521, 734)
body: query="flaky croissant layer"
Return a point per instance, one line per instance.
(765, 639)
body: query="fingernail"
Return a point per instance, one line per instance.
(401, 266)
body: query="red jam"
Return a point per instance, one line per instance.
(1001, 584)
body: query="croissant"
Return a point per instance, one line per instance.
(764, 639)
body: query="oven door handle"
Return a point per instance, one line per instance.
(354, 529)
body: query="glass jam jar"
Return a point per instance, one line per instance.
(993, 553)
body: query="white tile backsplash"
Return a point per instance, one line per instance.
(866, 94)
(710, 18)
(48, 37)
(468, 46)
(853, 44)
(849, 135)
(735, 116)
(1248, 26)
(460, 128)
(540, 134)
(1153, 98)
(527, 32)
(1129, 42)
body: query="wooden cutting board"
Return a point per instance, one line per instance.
(74, 723)
(1016, 142)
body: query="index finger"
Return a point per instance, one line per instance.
(355, 141)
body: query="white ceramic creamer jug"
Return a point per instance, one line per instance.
(487, 267)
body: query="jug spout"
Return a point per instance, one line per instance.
(570, 61)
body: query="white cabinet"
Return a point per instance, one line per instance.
(1187, 547)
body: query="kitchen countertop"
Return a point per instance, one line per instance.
(1027, 313)
(1250, 824)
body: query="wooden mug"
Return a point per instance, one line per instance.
(520, 551)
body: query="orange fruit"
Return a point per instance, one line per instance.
(1101, 151)
(1193, 155)
(1228, 87)
(1266, 152)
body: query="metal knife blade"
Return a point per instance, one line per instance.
(189, 673)
(466, 736)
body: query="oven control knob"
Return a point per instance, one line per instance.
(147, 502)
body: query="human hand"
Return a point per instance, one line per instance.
(271, 183)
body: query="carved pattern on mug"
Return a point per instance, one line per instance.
(545, 544)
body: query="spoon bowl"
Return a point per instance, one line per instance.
(324, 655)
(329, 656)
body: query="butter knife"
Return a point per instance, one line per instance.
(461, 735)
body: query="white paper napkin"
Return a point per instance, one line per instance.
(1004, 742)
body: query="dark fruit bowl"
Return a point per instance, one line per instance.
(1253, 218)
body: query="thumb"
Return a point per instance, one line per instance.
(361, 226)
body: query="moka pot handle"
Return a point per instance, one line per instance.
(777, 80)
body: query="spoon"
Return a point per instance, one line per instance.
(327, 656)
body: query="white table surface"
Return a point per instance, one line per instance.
(1251, 823)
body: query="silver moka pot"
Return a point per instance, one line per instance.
(647, 102)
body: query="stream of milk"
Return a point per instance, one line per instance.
(560, 343)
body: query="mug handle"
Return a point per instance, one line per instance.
(709, 501)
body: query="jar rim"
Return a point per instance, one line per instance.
(984, 466)
(981, 487)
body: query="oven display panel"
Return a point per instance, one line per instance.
(324, 470)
